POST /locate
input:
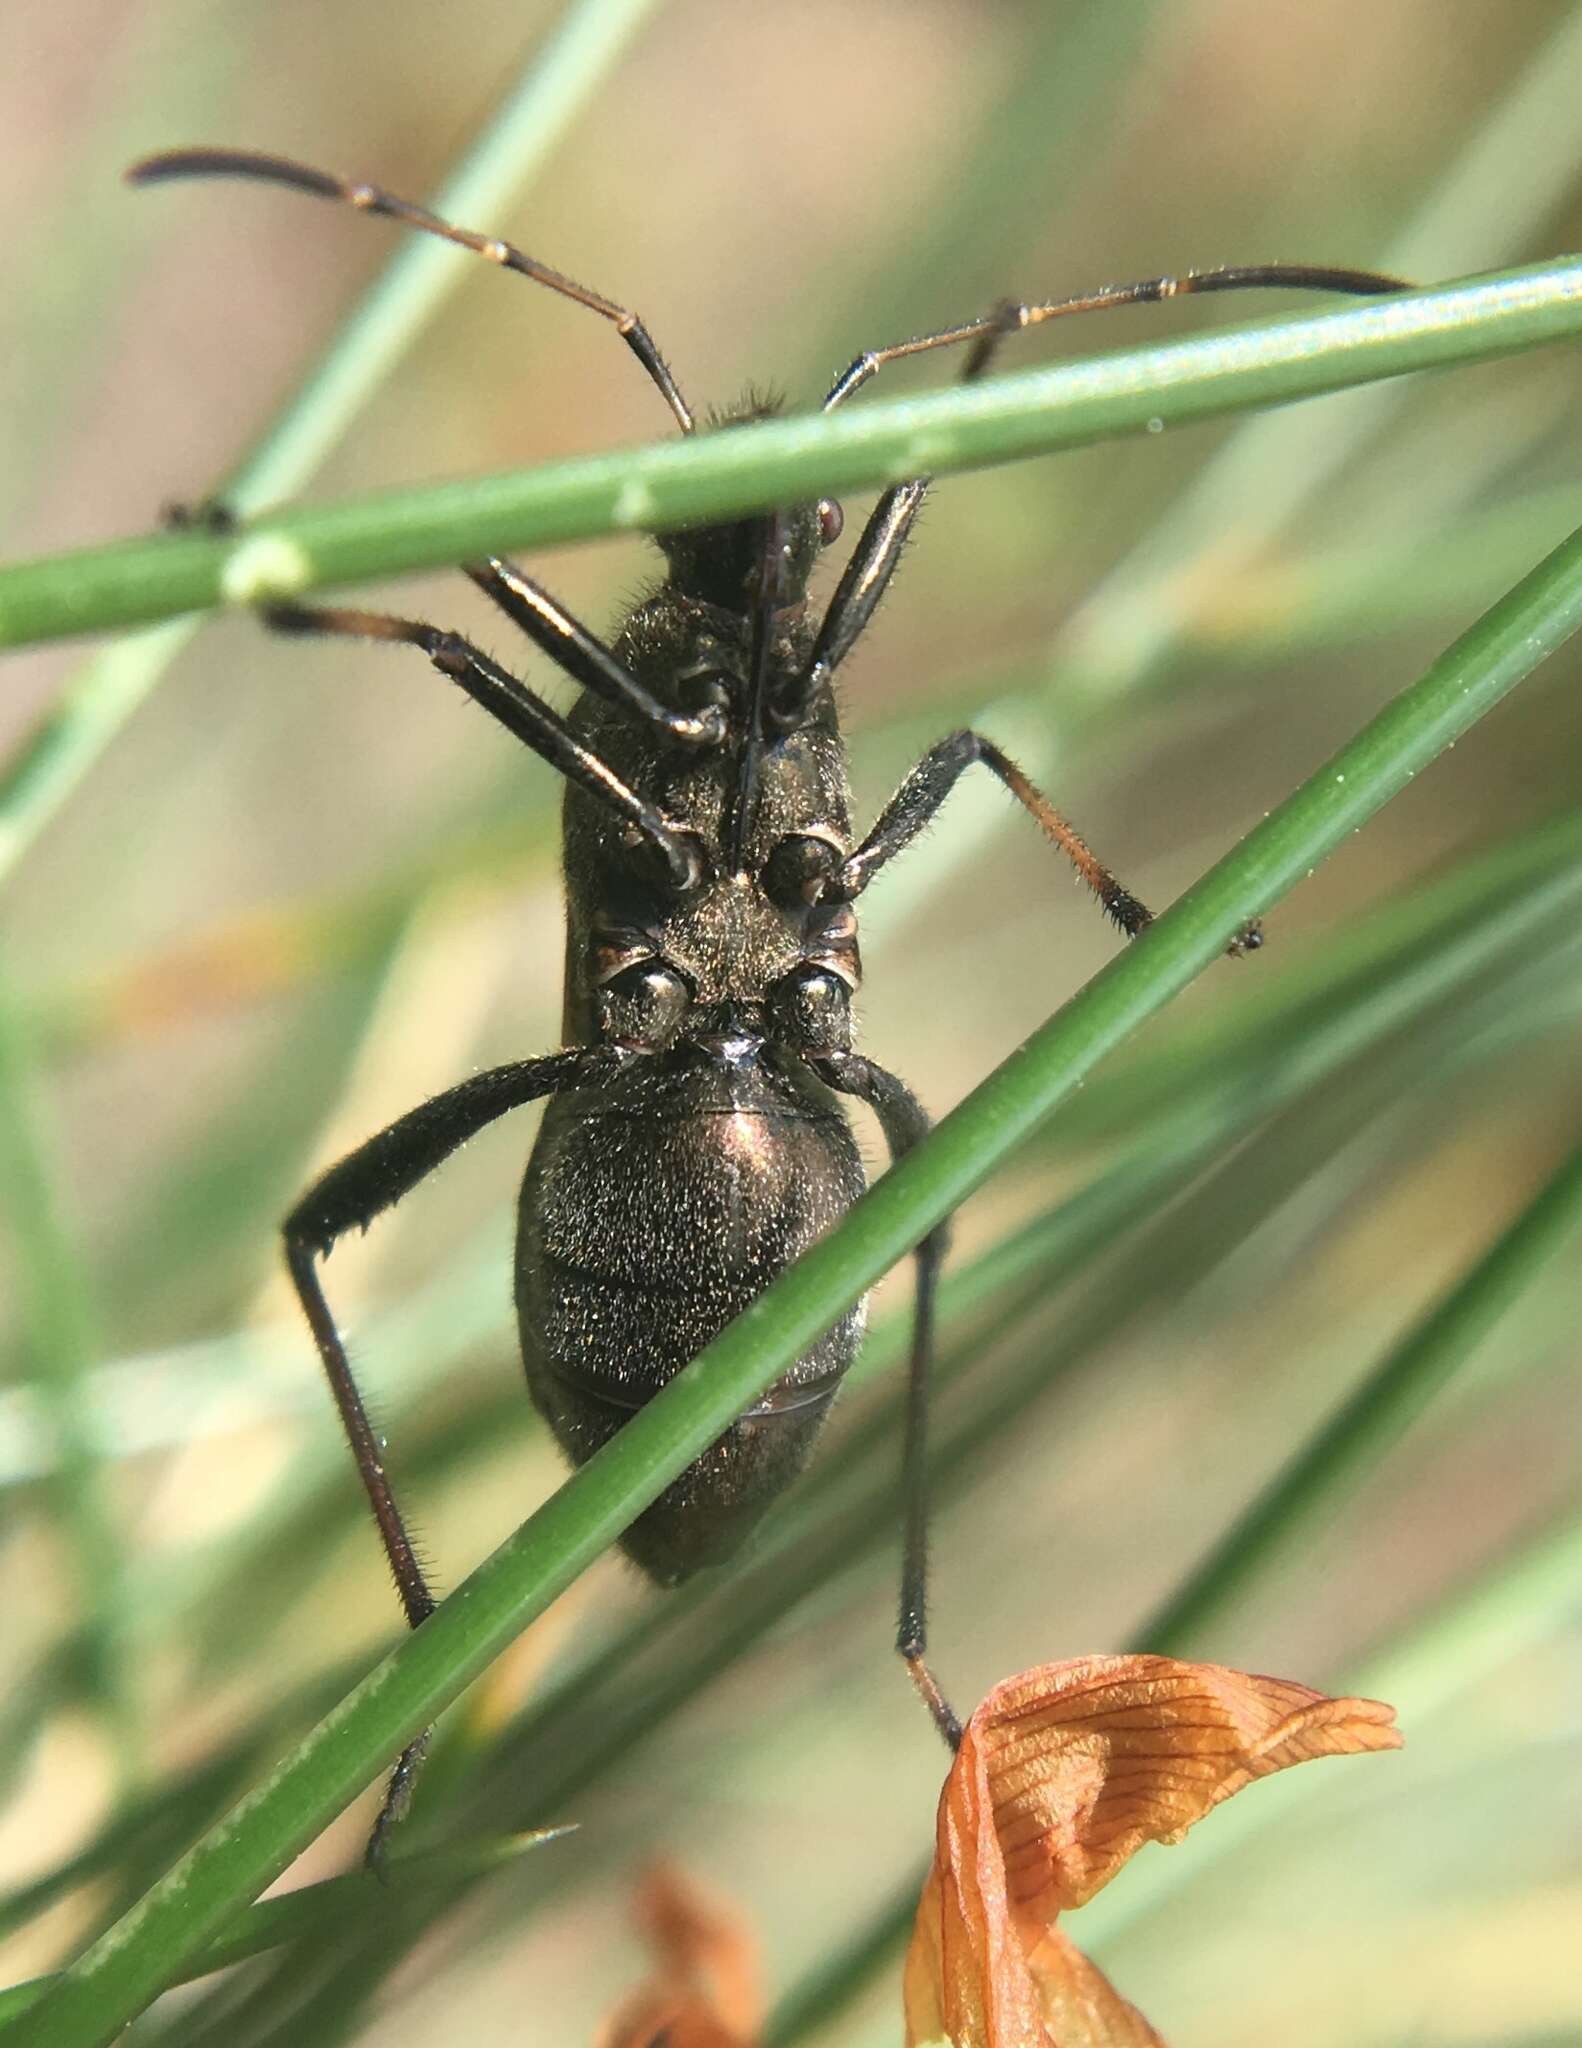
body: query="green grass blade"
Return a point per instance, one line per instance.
(559, 81)
(133, 1960)
(1369, 588)
(1374, 1417)
(788, 461)
(1502, 185)
(1427, 924)
(1039, 136)
(334, 1902)
(1413, 974)
(1423, 994)
(53, 1290)
(1476, 1628)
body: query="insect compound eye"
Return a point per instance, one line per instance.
(812, 1009)
(642, 1008)
(831, 521)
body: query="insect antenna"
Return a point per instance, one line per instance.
(279, 170)
(986, 335)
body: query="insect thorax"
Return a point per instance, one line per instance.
(729, 937)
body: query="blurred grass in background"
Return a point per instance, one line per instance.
(302, 891)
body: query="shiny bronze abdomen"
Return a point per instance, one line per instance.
(651, 1215)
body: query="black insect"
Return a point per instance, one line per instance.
(695, 1139)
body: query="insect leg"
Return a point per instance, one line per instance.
(279, 170)
(904, 1121)
(872, 562)
(350, 1195)
(863, 582)
(586, 659)
(919, 798)
(517, 708)
(984, 336)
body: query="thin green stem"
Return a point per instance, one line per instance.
(1044, 132)
(52, 1291)
(1422, 1669)
(1379, 584)
(128, 1965)
(334, 1902)
(1371, 1421)
(1408, 997)
(1446, 927)
(789, 461)
(1509, 172)
(559, 81)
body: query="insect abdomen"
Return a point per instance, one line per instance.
(647, 1225)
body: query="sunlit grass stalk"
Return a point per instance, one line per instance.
(1507, 174)
(127, 1966)
(1373, 1417)
(1417, 1671)
(680, 483)
(1502, 899)
(60, 1346)
(1356, 591)
(332, 1905)
(1425, 931)
(1416, 987)
(559, 80)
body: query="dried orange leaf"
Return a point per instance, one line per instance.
(706, 1992)
(1063, 1772)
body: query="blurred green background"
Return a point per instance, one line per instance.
(303, 890)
